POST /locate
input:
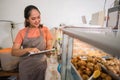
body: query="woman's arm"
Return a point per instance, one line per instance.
(49, 44)
(17, 51)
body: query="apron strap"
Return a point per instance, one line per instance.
(41, 33)
(26, 34)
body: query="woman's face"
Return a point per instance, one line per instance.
(34, 18)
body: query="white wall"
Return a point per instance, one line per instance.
(54, 12)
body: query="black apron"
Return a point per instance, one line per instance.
(33, 67)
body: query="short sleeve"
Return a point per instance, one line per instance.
(19, 38)
(48, 35)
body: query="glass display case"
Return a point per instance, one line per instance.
(94, 42)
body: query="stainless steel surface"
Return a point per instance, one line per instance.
(64, 57)
(75, 73)
(107, 40)
(69, 56)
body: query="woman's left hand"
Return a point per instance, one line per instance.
(34, 50)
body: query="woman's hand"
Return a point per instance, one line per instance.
(34, 50)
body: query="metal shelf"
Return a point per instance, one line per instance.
(105, 39)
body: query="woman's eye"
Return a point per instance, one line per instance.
(33, 18)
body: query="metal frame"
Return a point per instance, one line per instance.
(104, 39)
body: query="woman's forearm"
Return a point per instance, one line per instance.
(19, 52)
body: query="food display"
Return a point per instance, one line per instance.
(87, 59)
(92, 53)
(113, 65)
(81, 48)
(87, 67)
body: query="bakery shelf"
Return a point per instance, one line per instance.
(105, 39)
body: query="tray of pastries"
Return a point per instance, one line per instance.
(86, 66)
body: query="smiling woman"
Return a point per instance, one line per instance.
(33, 38)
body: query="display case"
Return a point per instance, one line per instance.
(103, 39)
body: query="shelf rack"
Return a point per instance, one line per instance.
(104, 39)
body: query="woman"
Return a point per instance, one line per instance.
(33, 38)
